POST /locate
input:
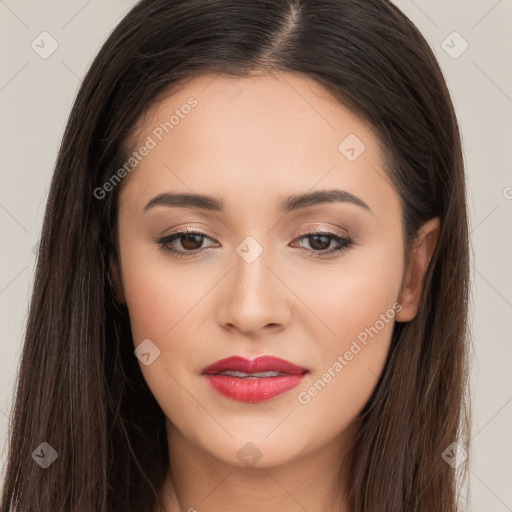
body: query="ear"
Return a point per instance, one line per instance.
(419, 259)
(116, 280)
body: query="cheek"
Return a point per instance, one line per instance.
(351, 293)
(166, 303)
(356, 303)
(161, 303)
(158, 293)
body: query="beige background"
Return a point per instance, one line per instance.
(36, 95)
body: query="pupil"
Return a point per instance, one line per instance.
(190, 241)
(322, 246)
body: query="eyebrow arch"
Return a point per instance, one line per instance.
(320, 197)
(294, 202)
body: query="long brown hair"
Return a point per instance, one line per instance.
(80, 388)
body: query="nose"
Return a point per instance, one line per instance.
(254, 297)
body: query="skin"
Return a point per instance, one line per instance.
(253, 142)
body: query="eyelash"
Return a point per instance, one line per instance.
(345, 242)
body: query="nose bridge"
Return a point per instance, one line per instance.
(254, 296)
(253, 257)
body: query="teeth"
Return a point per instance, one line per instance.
(258, 375)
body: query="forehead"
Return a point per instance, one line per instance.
(257, 135)
(283, 107)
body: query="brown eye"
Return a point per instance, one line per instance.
(183, 243)
(320, 243)
(191, 241)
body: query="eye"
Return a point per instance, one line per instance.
(320, 242)
(189, 240)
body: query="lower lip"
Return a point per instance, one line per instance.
(253, 390)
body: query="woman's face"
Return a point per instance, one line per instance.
(286, 170)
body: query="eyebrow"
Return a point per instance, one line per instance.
(294, 202)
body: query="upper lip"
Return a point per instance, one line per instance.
(253, 365)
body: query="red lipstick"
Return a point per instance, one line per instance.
(253, 380)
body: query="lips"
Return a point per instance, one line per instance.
(256, 365)
(253, 380)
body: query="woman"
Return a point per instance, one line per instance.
(252, 284)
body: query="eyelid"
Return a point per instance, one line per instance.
(323, 230)
(188, 229)
(304, 231)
